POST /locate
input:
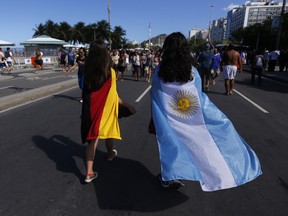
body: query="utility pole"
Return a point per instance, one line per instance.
(109, 21)
(149, 41)
(280, 25)
(210, 20)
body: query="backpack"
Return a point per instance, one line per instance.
(259, 62)
(7, 54)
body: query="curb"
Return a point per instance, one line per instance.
(34, 94)
(275, 78)
(270, 76)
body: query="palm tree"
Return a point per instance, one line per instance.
(117, 37)
(90, 33)
(64, 31)
(78, 33)
(102, 30)
(51, 28)
(39, 30)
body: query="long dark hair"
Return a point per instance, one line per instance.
(97, 66)
(177, 60)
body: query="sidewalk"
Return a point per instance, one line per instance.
(61, 82)
(4, 75)
(276, 75)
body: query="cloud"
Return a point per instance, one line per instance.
(230, 7)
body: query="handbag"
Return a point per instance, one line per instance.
(123, 111)
(151, 127)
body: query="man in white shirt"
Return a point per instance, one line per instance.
(273, 57)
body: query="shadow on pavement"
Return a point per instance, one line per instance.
(67, 97)
(283, 184)
(61, 150)
(266, 86)
(123, 184)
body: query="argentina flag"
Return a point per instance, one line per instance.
(196, 140)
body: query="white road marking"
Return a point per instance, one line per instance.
(38, 99)
(48, 78)
(252, 102)
(6, 87)
(143, 94)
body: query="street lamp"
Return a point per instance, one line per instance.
(109, 22)
(149, 41)
(210, 17)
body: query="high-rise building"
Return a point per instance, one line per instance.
(218, 30)
(252, 13)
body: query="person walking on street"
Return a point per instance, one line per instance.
(63, 58)
(80, 62)
(38, 60)
(149, 65)
(273, 58)
(136, 65)
(2, 61)
(196, 141)
(205, 60)
(231, 62)
(99, 118)
(257, 68)
(115, 61)
(71, 56)
(9, 59)
(122, 65)
(215, 71)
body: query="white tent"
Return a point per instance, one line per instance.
(47, 44)
(74, 45)
(43, 40)
(6, 43)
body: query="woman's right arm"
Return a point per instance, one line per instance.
(128, 106)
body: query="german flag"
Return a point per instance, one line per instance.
(99, 119)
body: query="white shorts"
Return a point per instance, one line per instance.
(229, 71)
(215, 71)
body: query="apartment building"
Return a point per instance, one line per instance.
(252, 13)
(248, 14)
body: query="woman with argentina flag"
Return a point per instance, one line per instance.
(196, 140)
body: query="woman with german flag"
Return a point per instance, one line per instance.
(99, 119)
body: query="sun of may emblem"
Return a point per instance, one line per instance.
(184, 104)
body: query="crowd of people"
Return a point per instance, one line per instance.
(230, 60)
(143, 63)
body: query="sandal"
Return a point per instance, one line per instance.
(110, 158)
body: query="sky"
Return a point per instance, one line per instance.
(20, 17)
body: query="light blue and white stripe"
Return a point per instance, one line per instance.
(197, 141)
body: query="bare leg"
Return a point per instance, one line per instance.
(207, 82)
(111, 152)
(90, 155)
(109, 146)
(231, 86)
(227, 86)
(148, 75)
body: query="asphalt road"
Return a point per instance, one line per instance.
(42, 159)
